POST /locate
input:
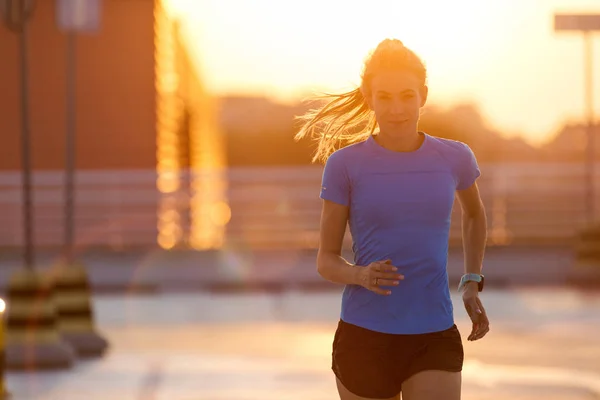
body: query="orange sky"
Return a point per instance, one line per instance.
(501, 54)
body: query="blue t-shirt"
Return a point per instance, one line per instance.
(400, 209)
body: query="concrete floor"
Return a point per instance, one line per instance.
(544, 344)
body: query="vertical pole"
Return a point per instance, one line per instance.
(25, 148)
(589, 98)
(3, 393)
(70, 150)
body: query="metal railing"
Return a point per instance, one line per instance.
(277, 206)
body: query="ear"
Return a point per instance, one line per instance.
(424, 93)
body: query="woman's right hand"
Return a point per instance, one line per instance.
(377, 274)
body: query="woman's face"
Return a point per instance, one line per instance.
(396, 98)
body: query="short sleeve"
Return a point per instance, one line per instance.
(335, 183)
(468, 169)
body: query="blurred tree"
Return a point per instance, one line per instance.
(261, 132)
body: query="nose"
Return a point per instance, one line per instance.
(396, 107)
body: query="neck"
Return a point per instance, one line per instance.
(400, 143)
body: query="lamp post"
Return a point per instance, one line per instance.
(72, 17)
(15, 15)
(585, 24)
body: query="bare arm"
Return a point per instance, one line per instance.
(330, 263)
(333, 267)
(474, 229)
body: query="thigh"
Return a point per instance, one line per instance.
(432, 385)
(346, 394)
(435, 371)
(363, 364)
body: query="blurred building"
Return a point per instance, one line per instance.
(150, 157)
(570, 144)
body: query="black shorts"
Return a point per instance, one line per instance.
(374, 364)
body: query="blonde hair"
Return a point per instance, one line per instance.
(347, 118)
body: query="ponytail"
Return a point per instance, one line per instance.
(345, 119)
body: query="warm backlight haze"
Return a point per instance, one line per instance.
(502, 55)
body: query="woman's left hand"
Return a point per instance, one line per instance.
(473, 306)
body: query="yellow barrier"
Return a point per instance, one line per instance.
(32, 338)
(74, 311)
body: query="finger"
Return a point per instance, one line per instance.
(387, 282)
(473, 331)
(383, 292)
(484, 325)
(481, 328)
(385, 266)
(389, 275)
(477, 329)
(481, 333)
(388, 272)
(374, 284)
